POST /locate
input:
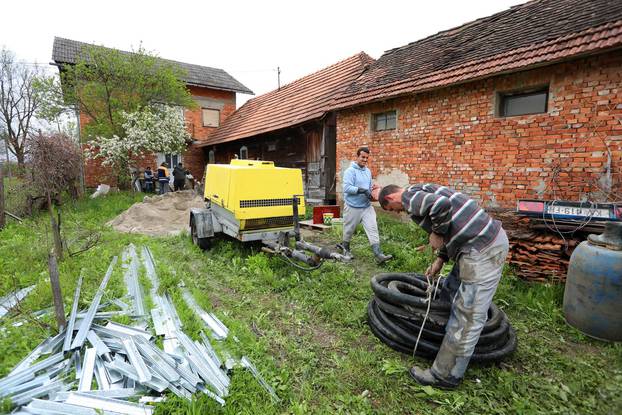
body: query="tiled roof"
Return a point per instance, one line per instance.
(299, 101)
(532, 34)
(65, 51)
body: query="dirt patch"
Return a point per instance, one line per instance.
(161, 215)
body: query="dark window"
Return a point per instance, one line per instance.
(521, 103)
(385, 121)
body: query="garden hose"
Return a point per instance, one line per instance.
(398, 310)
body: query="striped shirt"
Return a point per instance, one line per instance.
(460, 220)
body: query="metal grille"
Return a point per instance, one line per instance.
(274, 222)
(266, 202)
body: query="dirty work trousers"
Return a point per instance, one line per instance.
(353, 216)
(472, 291)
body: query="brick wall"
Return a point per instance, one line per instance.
(193, 158)
(452, 136)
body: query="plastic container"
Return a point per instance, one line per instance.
(327, 218)
(593, 292)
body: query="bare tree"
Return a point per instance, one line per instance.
(19, 101)
(55, 168)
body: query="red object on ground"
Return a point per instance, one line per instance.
(318, 212)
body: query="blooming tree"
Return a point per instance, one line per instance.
(153, 129)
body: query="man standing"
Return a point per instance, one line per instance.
(462, 231)
(179, 177)
(148, 177)
(357, 208)
(163, 178)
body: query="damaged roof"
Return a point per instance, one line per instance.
(297, 102)
(65, 51)
(533, 34)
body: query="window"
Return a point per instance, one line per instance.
(171, 159)
(384, 121)
(211, 157)
(211, 117)
(244, 153)
(522, 102)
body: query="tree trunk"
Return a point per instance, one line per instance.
(1, 197)
(19, 154)
(58, 245)
(59, 308)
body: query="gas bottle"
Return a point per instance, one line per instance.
(593, 292)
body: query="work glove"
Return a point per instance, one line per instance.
(364, 191)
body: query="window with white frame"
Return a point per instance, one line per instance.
(211, 117)
(171, 159)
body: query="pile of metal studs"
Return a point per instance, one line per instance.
(129, 368)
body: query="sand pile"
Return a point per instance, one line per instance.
(160, 215)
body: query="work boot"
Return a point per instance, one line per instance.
(427, 378)
(611, 238)
(380, 257)
(345, 246)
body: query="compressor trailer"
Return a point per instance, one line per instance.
(253, 200)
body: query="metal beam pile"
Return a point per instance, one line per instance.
(96, 365)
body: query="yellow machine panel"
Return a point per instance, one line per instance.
(257, 193)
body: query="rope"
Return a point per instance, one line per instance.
(431, 289)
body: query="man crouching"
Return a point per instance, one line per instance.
(462, 231)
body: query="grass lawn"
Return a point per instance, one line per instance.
(307, 332)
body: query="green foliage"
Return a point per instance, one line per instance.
(307, 332)
(104, 82)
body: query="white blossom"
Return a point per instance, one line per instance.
(153, 129)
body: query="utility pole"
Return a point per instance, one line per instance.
(278, 76)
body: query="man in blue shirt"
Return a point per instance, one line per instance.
(357, 207)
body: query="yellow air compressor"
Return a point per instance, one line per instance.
(253, 200)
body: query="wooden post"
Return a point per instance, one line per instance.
(2, 197)
(58, 245)
(59, 308)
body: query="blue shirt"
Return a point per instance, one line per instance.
(354, 177)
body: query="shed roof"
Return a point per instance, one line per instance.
(533, 34)
(65, 51)
(299, 101)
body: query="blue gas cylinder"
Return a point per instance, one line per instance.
(593, 292)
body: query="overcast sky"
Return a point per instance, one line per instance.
(248, 39)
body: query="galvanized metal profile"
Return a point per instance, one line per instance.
(37, 392)
(100, 347)
(212, 395)
(149, 263)
(101, 375)
(224, 379)
(123, 393)
(28, 374)
(38, 381)
(11, 300)
(202, 366)
(133, 283)
(144, 374)
(45, 407)
(88, 367)
(218, 330)
(72, 317)
(46, 347)
(181, 392)
(108, 404)
(156, 383)
(86, 324)
(247, 364)
(127, 330)
(155, 361)
(210, 349)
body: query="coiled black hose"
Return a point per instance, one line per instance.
(397, 311)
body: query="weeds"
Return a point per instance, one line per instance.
(307, 332)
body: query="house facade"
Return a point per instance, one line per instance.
(526, 103)
(214, 92)
(291, 126)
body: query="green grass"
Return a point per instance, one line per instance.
(307, 332)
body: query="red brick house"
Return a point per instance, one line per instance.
(526, 103)
(214, 90)
(291, 126)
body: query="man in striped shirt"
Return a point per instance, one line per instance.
(462, 231)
